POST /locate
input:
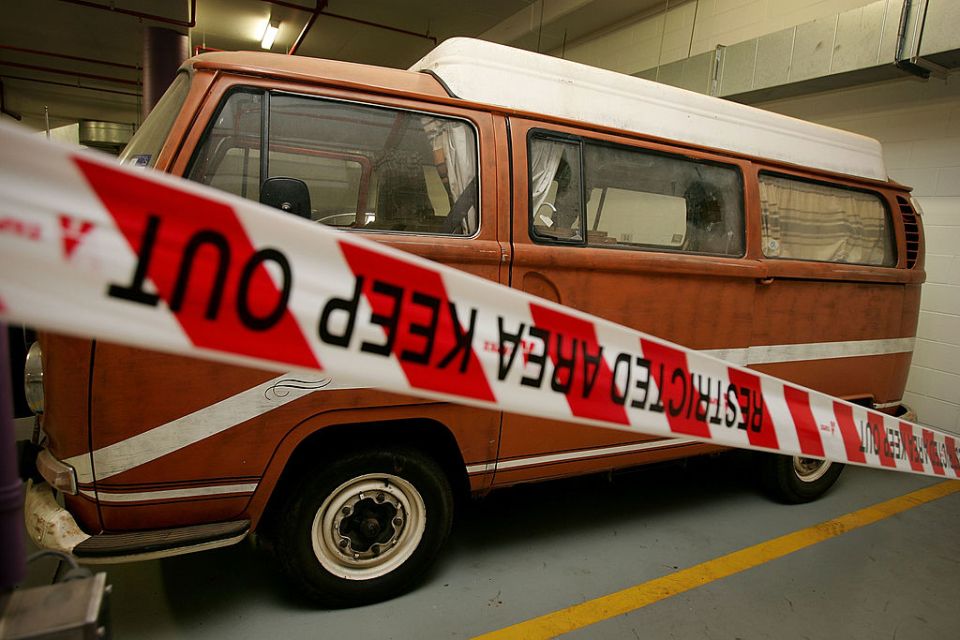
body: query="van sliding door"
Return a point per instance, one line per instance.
(639, 234)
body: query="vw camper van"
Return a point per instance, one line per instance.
(770, 242)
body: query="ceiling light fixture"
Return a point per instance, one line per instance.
(270, 33)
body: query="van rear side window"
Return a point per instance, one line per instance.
(634, 199)
(810, 221)
(349, 165)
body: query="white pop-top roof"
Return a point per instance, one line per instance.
(516, 79)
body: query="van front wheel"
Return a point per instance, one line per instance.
(796, 479)
(365, 527)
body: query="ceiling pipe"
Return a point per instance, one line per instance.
(319, 11)
(380, 26)
(68, 85)
(189, 24)
(288, 5)
(77, 74)
(321, 5)
(64, 56)
(199, 48)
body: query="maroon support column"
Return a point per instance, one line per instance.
(164, 50)
(12, 550)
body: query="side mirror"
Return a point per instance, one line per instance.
(287, 194)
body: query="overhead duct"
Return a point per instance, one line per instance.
(878, 41)
(913, 18)
(107, 136)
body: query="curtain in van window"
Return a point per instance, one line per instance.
(544, 159)
(453, 146)
(807, 221)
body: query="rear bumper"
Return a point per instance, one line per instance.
(50, 526)
(908, 414)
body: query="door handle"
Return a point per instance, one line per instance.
(765, 281)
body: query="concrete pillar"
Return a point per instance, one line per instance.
(164, 50)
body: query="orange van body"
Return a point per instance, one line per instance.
(168, 444)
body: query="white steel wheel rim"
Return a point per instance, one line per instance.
(341, 553)
(810, 469)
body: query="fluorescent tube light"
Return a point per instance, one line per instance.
(270, 34)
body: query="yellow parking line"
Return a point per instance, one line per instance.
(632, 598)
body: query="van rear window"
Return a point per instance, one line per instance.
(811, 221)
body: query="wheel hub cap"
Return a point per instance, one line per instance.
(367, 523)
(810, 469)
(368, 526)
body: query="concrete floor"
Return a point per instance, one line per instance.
(532, 550)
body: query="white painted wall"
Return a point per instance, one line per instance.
(693, 27)
(919, 126)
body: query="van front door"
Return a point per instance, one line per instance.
(633, 232)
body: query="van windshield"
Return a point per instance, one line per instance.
(144, 147)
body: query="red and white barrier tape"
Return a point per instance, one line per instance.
(94, 249)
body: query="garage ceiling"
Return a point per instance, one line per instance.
(80, 58)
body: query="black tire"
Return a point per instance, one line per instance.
(795, 480)
(363, 528)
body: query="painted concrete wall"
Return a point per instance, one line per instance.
(693, 27)
(919, 125)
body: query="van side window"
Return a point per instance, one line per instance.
(349, 165)
(810, 221)
(633, 198)
(640, 199)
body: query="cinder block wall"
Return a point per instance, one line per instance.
(919, 125)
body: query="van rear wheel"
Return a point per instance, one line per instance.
(364, 528)
(796, 479)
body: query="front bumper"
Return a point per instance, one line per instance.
(49, 525)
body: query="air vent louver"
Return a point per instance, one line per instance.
(911, 230)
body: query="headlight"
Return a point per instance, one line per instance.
(33, 378)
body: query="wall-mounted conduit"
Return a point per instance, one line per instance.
(913, 19)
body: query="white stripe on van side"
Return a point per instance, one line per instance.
(771, 353)
(172, 494)
(246, 405)
(483, 467)
(591, 453)
(199, 425)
